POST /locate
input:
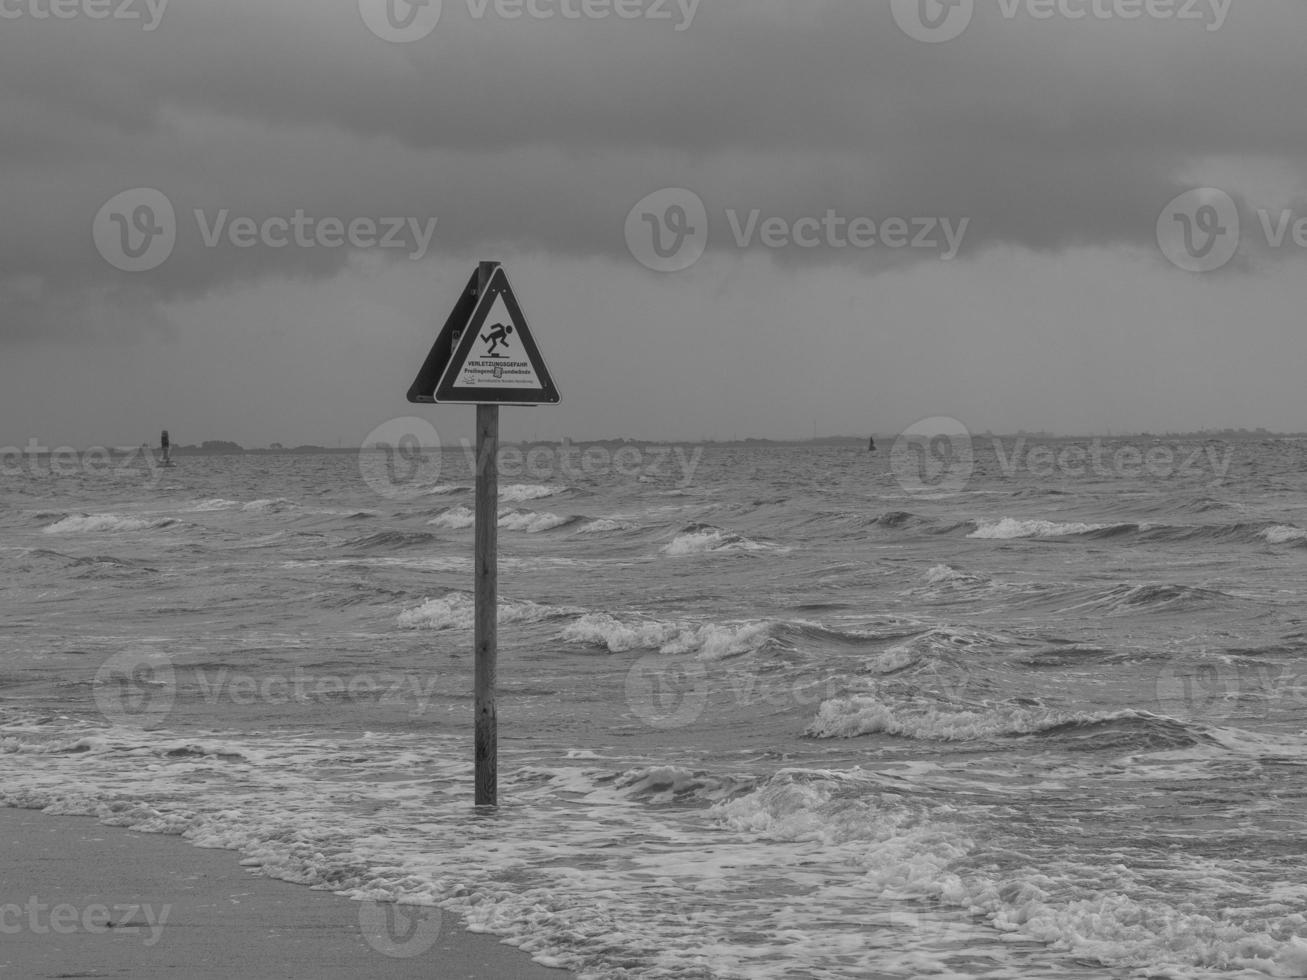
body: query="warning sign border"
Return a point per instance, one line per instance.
(448, 392)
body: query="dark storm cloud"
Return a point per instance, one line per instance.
(1043, 134)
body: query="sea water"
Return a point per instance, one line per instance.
(764, 711)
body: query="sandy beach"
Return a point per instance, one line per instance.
(83, 899)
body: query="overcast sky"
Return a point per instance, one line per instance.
(909, 209)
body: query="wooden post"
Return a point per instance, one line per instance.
(486, 570)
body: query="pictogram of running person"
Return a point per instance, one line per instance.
(498, 335)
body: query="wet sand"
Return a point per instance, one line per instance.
(80, 899)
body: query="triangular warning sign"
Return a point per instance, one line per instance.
(495, 360)
(423, 388)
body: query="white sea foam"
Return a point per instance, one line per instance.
(1283, 534)
(864, 714)
(702, 540)
(457, 609)
(606, 525)
(444, 490)
(532, 522)
(216, 503)
(270, 506)
(520, 492)
(1010, 527)
(708, 641)
(103, 523)
(454, 519)
(870, 881)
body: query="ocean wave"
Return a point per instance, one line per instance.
(833, 808)
(276, 505)
(1203, 505)
(924, 866)
(865, 714)
(533, 522)
(391, 541)
(1283, 534)
(708, 641)
(106, 523)
(1248, 532)
(897, 519)
(1127, 598)
(457, 610)
(607, 525)
(522, 492)
(454, 519)
(700, 539)
(445, 491)
(107, 566)
(672, 784)
(1011, 528)
(214, 503)
(946, 578)
(934, 645)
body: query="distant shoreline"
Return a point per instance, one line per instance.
(883, 441)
